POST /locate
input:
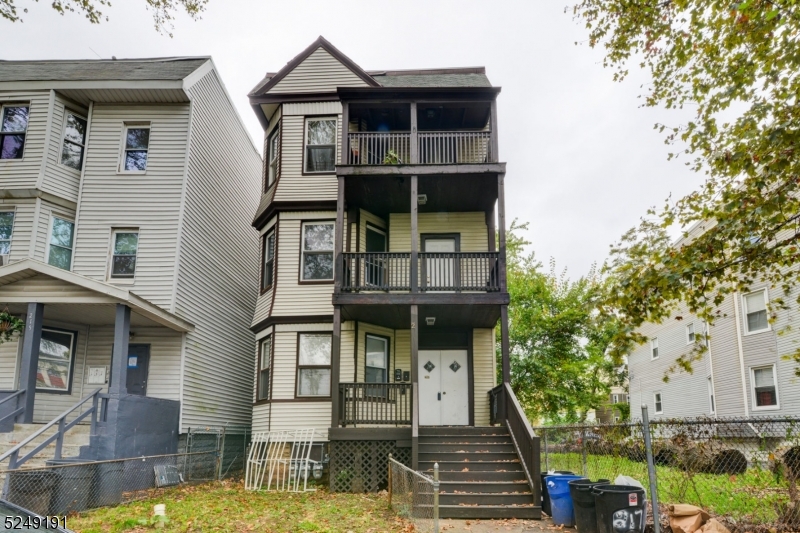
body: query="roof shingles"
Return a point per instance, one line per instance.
(167, 69)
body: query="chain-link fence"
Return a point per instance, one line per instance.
(744, 472)
(414, 496)
(230, 442)
(72, 485)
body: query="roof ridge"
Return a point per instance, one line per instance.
(109, 60)
(418, 71)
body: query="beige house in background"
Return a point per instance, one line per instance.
(126, 192)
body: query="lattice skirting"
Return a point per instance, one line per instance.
(362, 465)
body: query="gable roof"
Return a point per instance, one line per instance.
(270, 80)
(156, 69)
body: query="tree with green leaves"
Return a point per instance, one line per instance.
(163, 10)
(558, 339)
(737, 65)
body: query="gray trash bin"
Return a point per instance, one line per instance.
(107, 484)
(73, 485)
(31, 489)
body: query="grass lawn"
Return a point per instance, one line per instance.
(750, 497)
(226, 506)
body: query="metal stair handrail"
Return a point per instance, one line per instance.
(18, 411)
(63, 427)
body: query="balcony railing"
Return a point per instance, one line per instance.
(433, 147)
(386, 404)
(445, 272)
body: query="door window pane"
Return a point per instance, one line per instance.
(55, 361)
(61, 236)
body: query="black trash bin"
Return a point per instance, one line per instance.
(620, 508)
(31, 489)
(583, 502)
(545, 495)
(74, 484)
(107, 484)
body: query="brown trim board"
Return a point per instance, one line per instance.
(300, 319)
(280, 206)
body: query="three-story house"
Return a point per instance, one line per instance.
(383, 278)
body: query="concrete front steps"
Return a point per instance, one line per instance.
(74, 439)
(480, 473)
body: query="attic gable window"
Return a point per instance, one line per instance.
(320, 150)
(74, 141)
(13, 129)
(137, 145)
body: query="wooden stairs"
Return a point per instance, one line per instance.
(480, 473)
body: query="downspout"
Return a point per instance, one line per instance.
(741, 352)
(711, 367)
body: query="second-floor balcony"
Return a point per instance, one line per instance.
(436, 272)
(432, 148)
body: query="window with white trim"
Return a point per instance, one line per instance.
(615, 398)
(265, 355)
(137, 146)
(268, 268)
(54, 373)
(765, 390)
(125, 246)
(320, 152)
(6, 228)
(13, 129)
(657, 401)
(59, 253)
(272, 156)
(654, 348)
(690, 337)
(74, 142)
(711, 402)
(314, 365)
(317, 251)
(755, 311)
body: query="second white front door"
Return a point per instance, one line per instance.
(443, 388)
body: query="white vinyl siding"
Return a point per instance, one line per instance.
(471, 227)
(319, 72)
(484, 372)
(59, 179)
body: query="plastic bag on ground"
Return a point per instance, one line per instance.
(684, 518)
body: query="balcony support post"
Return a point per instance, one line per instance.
(336, 349)
(501, 230)
(414, 142)
(492, 230)
(495, 155)
(414, 275)
(344, 159)
(504, 344)
(29, 363)
(414, 387)
(338, 270)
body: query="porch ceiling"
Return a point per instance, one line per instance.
(447, 316)
(85, 314)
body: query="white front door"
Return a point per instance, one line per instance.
(443, 388)
(439, 266)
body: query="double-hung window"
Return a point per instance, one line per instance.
(690, 333)
(268, 271)
(765, 391)
(13, 128)
(54, 372)
(264, 355)
(654, 348)
(614, 398)
(755, 310)
(61, 236)
(272, 156)
(74, 141)
(125, 244)
(659, 404)
(137, 145)
(314, 365)
(6, 228)
(317, 251)
(320, 144)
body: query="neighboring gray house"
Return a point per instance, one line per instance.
(126, 194)
(744, 373)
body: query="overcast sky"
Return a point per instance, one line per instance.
(584, 162)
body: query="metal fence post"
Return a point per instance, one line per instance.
(436, 498)
(221, 445)
(389, 463)
(546, 453)
(583, 452)
(651, 469)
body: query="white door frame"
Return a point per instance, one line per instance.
(436, 382)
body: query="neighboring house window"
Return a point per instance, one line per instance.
(269, 260)
(60, 251)
(6, 227)
(654, 348)
(690, 333)
(12, 131)
(755, 309)
(657, 401)
(54, 372)
(320, 144)
(123, 254)
(711, 402)
(614, 398)
(314, 364)
(765, 393)
(265, 354)
(317, 251)
(74, 141)
(272, 159)
(137, 143)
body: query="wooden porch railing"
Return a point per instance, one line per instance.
(504, 407)
(390, 271)
(387, 404)
(433, 147)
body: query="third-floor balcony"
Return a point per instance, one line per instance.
(432, 148)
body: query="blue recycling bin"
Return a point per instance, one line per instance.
(560, 499)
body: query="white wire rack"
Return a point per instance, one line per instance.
(284, 459)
